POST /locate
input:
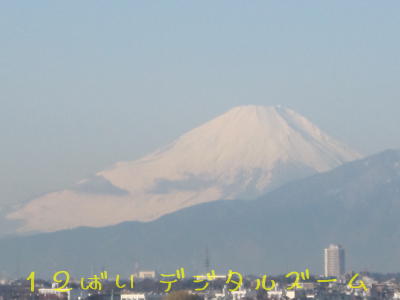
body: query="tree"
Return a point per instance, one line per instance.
(182, 295)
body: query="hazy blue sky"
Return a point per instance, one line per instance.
(86, 83)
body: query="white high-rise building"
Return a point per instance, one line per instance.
(334, 258)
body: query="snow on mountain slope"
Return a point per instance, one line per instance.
(243, 153)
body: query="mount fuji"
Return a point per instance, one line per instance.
(241, 154)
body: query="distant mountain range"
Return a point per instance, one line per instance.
(243, 153)
(356, 204)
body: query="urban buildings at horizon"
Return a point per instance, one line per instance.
(334, 261)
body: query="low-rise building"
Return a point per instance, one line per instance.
(133, 296)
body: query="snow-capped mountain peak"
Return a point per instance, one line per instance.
(242, 153)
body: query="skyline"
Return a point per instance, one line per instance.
(179, 136)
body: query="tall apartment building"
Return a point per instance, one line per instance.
(334, 258)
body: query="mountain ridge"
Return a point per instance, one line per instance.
(242, 153)
(356, 204)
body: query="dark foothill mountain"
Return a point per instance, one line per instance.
(356, 205)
